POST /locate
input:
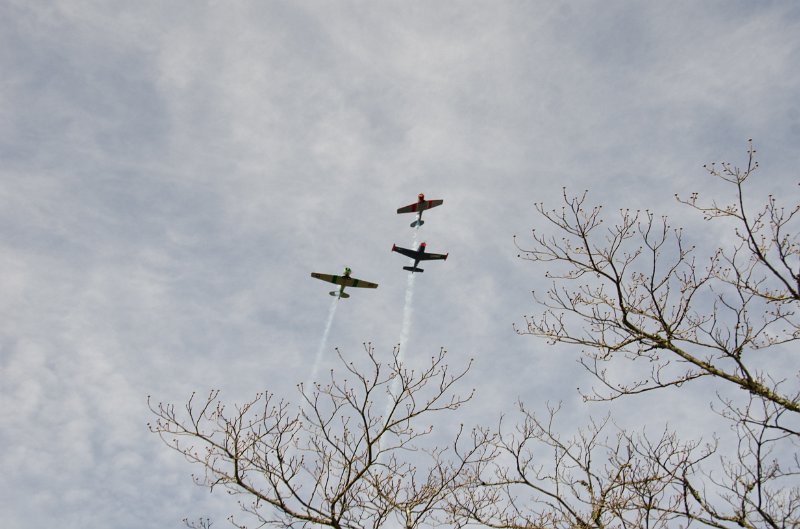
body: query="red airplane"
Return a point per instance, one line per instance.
(417, 255)
(418, 207)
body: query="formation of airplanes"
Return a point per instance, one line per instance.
(346, 280)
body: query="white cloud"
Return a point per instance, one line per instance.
(172, 173)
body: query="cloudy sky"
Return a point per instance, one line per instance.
(171, 172)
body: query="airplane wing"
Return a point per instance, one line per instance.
(346, 281)
(405, 251)
(420, 206)
(327, 277)
(430, 256)
(408, 209)
(360, 283)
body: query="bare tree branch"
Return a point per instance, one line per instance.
(338, 461)
(636, 292)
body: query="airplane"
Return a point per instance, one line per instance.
(419, 206)
(418, 255)
(345, 281)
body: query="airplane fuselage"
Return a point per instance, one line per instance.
(420, 251)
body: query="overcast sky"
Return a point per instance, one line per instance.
(171, 172)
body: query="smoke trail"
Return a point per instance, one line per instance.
(405, 334)
(322, 343)
(308, 387)
(405, 329)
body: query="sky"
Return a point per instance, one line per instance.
(171, 173)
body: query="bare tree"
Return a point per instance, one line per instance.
(201, 523)
(534, 477)
(349, 458)
(636, 291)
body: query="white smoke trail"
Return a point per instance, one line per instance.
(323, 343)
(308, 387)
(408, 309)
(291, 449)
(405, 330)
(405, 334)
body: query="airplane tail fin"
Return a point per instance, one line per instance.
(413, 269)
(336, 294)
(417, 223)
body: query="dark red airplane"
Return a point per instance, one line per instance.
(418, 207)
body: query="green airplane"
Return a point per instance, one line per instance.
(345, 281)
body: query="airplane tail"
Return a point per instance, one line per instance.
(336, 294)
(413, 269)
(417, 223)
